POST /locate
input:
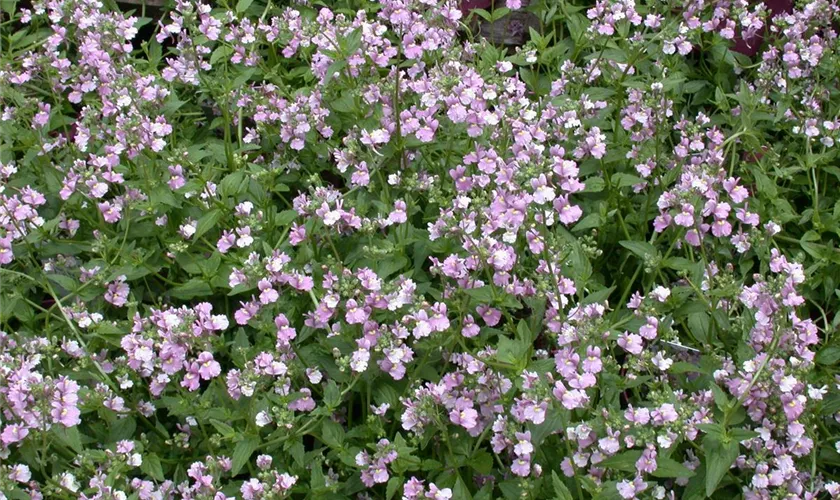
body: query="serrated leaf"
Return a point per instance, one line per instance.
(698, 325)
(122, 428)
(332, 434)
(481, 294)
(332, 396)
(743, 434)
(242, 5)
(594, 185)
(69, 437)
(332, 69)
(642, 249)
(223, 428)
(192, 288)
(721, 400)
(242, 453)
(625, 461)
(207, 222)
(667, 467)
(460, 490)
(393, 487)
(65, 282)
(151, 466)
(720, 456)
(560, 488)
(286, 217)
(221, 53)
(598, 297)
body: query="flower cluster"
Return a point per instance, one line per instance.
(419, 249)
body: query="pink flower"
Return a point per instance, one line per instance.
(466, 418)
(521, 467)
(111, 212)
(208, 367)
(568, 213)
(13, 433)
(436, 493)
(192, 378)
(226, 242)
(297, 234)
(631, 343)
(117, 293)
(355, 315)
(303, 403)
(42, 118)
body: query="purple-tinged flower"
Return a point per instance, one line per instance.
(208, 367)
(13, 433)
(521, 466)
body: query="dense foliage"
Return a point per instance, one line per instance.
(359, 249)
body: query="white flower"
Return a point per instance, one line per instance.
(787, 383)
(135, 460)
(817, 393)
(69, 481)
(664, 441)
(661, 293)
(263, 419)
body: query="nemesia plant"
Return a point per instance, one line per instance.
(359, 249)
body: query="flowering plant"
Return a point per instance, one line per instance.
(356, 249)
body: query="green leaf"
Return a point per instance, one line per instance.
(598, 297)
(65, 282)
(332, 69)
(298, 452)
(207, 222)
(387, 267)
(523, 332)
(625, 461)
(151, 466)
(486, 491)
(560, 488)
(721, 400)
(242, 453)
(332, 396)
(481, 294)
(512, 351)
(222, 52)
(642, 249)
(694, 86)
(742, 434)
(683, 367)
(242, 5)
(223, 428)
(192, 288)
(720, 456)
(698, 324)
(460, 490)
(393, 487)
(233, 184)
(667, 467)
(286, 217)
(123, 428)
(68, 436)
(8, 6)
(593, 220)
(482, 462)
(594, 185)
(620, 180)
(829, 355)
(332, 434)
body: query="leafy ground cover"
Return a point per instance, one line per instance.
(419, 249)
